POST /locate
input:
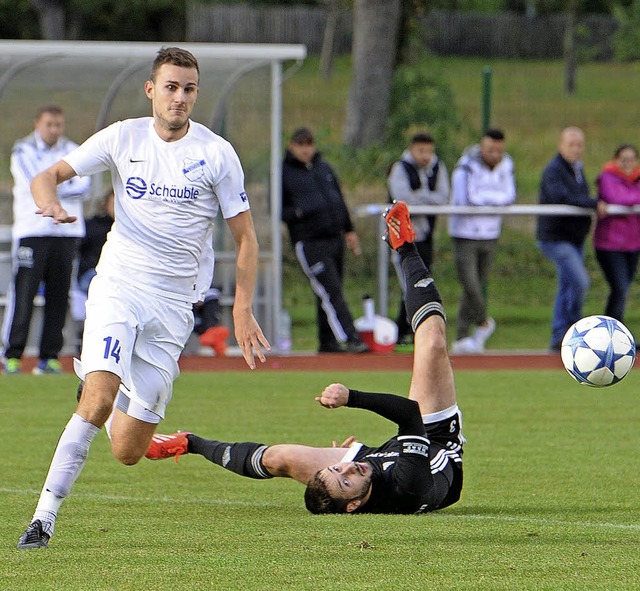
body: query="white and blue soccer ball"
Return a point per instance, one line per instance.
(598, 351)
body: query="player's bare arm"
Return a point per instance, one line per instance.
(248, 333)
(299, 462)
(43, 189)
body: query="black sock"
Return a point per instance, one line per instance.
(242, 458)
(421, 298)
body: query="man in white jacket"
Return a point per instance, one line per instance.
(43, 251)
(484, 175)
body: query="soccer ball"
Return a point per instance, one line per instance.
(598, 351)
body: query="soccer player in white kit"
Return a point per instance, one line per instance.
(170, 175)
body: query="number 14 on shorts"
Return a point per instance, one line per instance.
(112, 348)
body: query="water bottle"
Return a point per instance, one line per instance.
(283, 341)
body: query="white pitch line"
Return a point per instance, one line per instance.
(212, 501)
(544, 521)
(170, 500)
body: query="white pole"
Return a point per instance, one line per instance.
(276, 196)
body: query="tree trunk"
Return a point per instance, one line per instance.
(570, 60)
(326, 55)
(51, 15)
(375, 41)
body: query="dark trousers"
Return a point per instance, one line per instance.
(473, 260)
(322, 262)
(619, 269)
(47, 260)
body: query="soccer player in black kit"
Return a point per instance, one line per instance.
(416, 471)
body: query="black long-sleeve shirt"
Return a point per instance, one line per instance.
(402, 481)
(313, 206)
(560, 186)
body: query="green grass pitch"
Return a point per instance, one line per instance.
(550, 502)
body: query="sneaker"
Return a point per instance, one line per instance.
(399, 226)
(356, 346)
(482, 333)
(405, 339)
(466, 346)
(34, 537)
(11, 366)
(47, 366)
(216, 338)
(168, 446)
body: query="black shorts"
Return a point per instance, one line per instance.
(445, 455)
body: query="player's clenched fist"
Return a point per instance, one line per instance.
(334, 396)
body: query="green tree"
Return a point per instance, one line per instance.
(626, 41)
(18, 20)
(116, 20)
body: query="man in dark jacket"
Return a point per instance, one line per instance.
(319, 225)
(561, 238)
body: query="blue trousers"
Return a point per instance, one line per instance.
(572, 284)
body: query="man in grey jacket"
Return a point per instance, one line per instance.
(483, 176)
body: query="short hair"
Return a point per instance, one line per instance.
(319, 501)
(624, 147)
(422, 138)
(51, 109)
(176, 57)
(494, 134)
(302, 135)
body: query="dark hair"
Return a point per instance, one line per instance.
(623, 147)
(319, 501)
(494, 134)
(302, 135)
(422, 138)
(176, 57)
(51, 109)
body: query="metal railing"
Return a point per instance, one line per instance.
(377, 209)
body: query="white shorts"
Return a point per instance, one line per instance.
(138, 336)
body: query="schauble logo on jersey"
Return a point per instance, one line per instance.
(137, 188)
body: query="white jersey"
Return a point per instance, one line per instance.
(167, 197)
(31, 155)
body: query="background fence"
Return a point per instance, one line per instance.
(446, 32)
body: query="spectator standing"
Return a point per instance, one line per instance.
(484, 175)
(44, 252)
(314, 209)
(418, 178)
(561, 238)
(616, 238)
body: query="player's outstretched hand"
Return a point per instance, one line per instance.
(334, 396)
(250, 339)
(58, 213)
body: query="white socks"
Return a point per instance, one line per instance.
(66, 465)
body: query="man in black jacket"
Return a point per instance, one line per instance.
(561, 238)
(319, 224)
(416, 471)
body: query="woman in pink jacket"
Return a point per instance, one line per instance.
(617, 237)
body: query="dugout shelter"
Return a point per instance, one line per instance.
(97, 83)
